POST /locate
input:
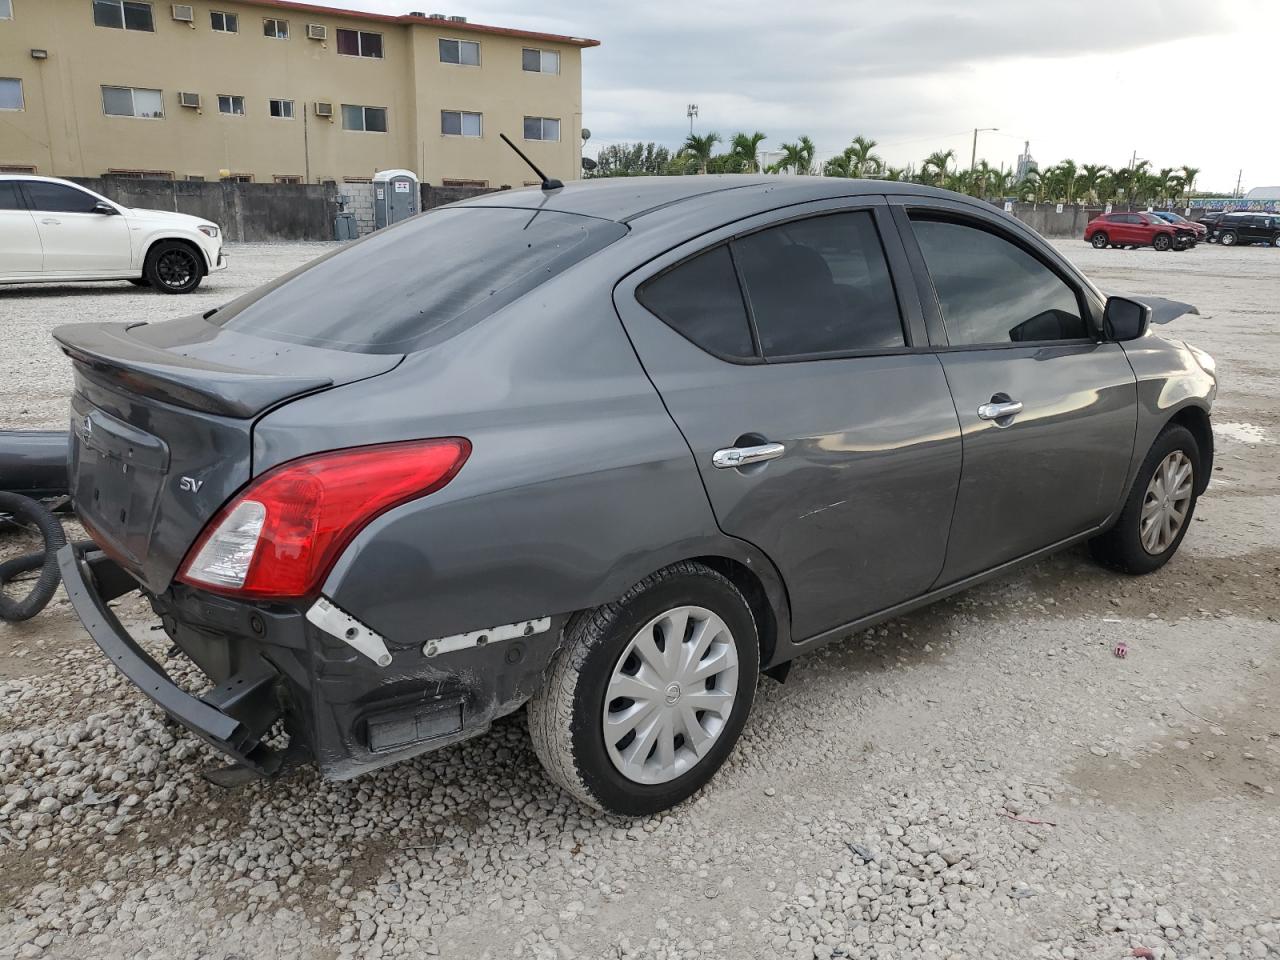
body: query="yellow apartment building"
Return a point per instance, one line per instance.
(270, 90)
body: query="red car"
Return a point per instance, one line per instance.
(1137, 230)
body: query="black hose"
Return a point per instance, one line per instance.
(28, 512)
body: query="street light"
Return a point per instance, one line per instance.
(973, 157)
(692, 112)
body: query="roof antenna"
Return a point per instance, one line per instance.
(547, 182)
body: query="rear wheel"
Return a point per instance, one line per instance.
(1227, 239)
(647, 695)
(1161, 242)
(1159, 508)
(1100, 240)
(173, 267)
(1275, 241)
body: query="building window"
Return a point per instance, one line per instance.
(231, 104)
(11, 94)
(366, 119)
(275, 29)
(287, 178)
(123, 15)
(465, 52)
(541, 128)
(540, 61)
(458, 123)
(6, 9)
(13, 168)
(357, 180)
(478, 184)
(194, 178)
(140, 174)
(357, 43)
(282, 109)
(238, 178)
(224, 22)
(133, 102)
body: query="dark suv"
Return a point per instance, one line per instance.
(1248, 228)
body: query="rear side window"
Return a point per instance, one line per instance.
(56, 198)
(991, 291)
(395, 290)
(700, 299)
(820, 285)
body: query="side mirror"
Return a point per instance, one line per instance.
(105, 208)
(1124, 319)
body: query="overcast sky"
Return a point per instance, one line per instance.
(1179, 81)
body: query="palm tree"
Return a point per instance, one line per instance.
(796, 157)
(934, 168)
(699, 148)
(862, 160)
(1091, 175)
(1189, 175)
(745, 149)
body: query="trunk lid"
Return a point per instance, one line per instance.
(162, 423)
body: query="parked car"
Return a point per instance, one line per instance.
(611, 451)
(54, 231)
(1199, 231)
(1135, 230)
(1247, 228)
(1210, 222)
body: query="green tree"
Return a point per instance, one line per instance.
(934, 168)
(1189, 175)
(698, 148)
(745, 150)
(796, 157)
(631, 160)
(1091, 175)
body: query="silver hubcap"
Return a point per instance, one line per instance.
(670, 695)
(1164, 509)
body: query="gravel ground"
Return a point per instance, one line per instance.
(979, 779)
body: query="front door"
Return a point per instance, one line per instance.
(821, 434)
(78, 241)
(20, 251)
(1048, 413)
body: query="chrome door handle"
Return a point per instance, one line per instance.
(999, 410)
(50, 220)
(731, 457)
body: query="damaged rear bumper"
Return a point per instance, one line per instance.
(272, 667)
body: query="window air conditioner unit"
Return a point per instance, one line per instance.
(184, 13)
(317, 31)
(324, 109)
(191, 100)
(458, 19)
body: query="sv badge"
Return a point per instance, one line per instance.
(190, 484)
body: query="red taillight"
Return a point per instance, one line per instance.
(280, 535)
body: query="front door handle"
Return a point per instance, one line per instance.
(51, 221)
(999, 409)
(732, 457)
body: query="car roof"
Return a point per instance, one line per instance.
(32, 176)
(627, 198)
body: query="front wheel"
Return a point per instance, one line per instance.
(647, 695)
(1227, 239)
(1159, 508)
(1161, 242)
(1099, 241)
(1275, 242)
(173, 267)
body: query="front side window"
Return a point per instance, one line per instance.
(991, 291)
(11, 94)
(358, 43)
(275, 29)
(460, 123)
(282, 109)
(123, 15)
(224, 22)
(700, 299)
(9, 199)
(464, 52)
(539, 61)
(820, 285)
(232, 104)
(541, 128)
(367, 119)
(133, 102)
(58, 198)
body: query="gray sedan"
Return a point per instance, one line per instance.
(608, 451)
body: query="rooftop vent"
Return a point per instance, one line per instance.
(437, 16)
(417, 13)
(458, 19)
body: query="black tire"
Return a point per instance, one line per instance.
(1228, 239)
(1275, 241)
(140, 281)
(565, 715)
(1100, 240)
(173, 267)
(31, 513)
(1121, 547)
(1162, 242)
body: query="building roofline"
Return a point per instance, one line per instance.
(453, 25)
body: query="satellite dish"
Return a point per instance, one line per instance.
(588, 164)
(586, 134)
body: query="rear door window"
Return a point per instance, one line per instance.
(398, 288)
(700, 299)
(991, 291)
(9, 199)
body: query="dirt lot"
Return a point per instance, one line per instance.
(980, 779)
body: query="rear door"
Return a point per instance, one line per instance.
(1048, 413)
(77, 240)
(20, 251)
(797, 370)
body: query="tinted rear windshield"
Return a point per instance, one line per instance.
(396, 290)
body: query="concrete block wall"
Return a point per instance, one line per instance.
(361, 204)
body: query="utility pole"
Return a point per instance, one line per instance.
(692, 111)
(973, 157)
(1239, 178)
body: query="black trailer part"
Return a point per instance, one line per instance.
(34, 463)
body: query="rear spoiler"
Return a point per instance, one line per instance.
(1164, 310)
(106, 353)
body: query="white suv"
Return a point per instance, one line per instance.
(55, 230)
